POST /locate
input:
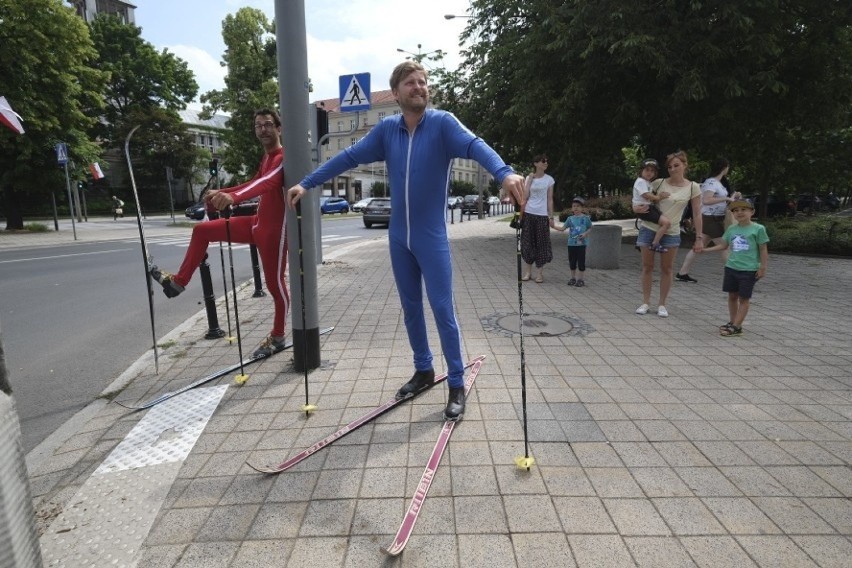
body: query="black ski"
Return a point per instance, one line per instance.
(146, 255)
(348, 429)
(211, 377)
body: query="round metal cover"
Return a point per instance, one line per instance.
(541, 325)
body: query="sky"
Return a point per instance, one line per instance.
(343, 36)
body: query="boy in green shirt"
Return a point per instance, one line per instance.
(746, 263)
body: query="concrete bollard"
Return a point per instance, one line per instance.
(604, 247)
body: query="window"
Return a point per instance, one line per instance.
(340, 143)
(340, 126)
(352, 141)
(381, 115)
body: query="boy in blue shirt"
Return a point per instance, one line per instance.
(578, 226)
(746, 263)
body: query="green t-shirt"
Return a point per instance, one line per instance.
(743, 244)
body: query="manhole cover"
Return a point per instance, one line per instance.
(541, 325)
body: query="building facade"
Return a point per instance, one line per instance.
(88, 9)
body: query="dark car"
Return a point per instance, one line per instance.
(775, 206)
(378, 211)
(333, 205)
(809, 203)
(470, 204)
(195, 211)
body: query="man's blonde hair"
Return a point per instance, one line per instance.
(403, 70)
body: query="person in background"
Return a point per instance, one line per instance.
(681, 191)
(643, 196)
(578, 226)
(746, 264)
(714, 201)
(537, 220)
(419, 146)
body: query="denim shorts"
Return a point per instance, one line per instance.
(646, 237)
(740, 282)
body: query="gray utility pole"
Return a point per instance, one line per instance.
(294, 84)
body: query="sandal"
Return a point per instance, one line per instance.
(731, 331)
(726, 326)
(539, 278)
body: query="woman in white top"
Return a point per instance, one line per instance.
(714, 203)
(681, 191)
(537, 220)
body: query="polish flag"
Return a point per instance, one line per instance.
(10, 118)
(95, 168)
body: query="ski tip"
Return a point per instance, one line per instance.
(524, 462)
(127, 406)
(260, 468)
(241, 379)
(392, 550)
(309, 409)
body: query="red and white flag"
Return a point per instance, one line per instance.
(10, 118)
(95, 168)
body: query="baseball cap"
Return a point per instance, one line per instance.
(579, 200)
(741, 203)
(650, 162)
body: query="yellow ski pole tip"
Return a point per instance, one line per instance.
(241, 379)
(230, 339)
(524, 462)
(308, 408)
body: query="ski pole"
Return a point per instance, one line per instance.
(230, 337)
(308, 408)
(524, 461)
(242, 377)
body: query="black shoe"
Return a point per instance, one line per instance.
(170, 288)
(455, 405)
(269, 346)
(421, 381)
(685, 277)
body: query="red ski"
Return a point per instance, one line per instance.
(352, 426)
(404, 532)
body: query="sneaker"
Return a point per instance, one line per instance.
(643, 309)
(170, 288)
(420, 381)
(580, 283)
(572, 281)
(662, 312)
(685, 277)
(455, 404)
(268, 347)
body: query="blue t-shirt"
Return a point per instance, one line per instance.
(577, 225)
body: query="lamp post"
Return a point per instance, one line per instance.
(420, 56)
(452, 16)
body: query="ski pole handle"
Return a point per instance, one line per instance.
(227, 212)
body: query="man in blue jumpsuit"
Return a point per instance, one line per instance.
(419, 147)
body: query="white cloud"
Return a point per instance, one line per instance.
(209, 74)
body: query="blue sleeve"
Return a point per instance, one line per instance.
(465, 144)
(366, 151)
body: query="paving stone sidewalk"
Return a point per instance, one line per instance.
(657, 442)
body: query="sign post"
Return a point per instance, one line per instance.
(62, 160)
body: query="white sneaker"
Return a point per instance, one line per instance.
(662, 312)
(643, 309)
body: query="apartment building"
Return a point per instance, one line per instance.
(88, 9)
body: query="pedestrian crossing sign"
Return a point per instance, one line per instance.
(354, 92)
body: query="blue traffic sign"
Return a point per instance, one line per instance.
(354, 92)
(61, 153)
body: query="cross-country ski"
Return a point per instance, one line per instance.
(211, 377)
(408, 522)
(348, 429)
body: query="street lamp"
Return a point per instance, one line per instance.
(451, 16)
(419, 56)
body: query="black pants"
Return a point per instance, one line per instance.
(577, 257)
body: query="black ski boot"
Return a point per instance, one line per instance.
(269, 347)
(170, 288)
(455, 405)
(421, 381)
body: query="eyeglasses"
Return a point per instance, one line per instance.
(268, 125)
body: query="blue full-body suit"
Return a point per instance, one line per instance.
(419, 167)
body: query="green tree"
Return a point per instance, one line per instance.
(251, 84)
(582, 79)
(48, 73)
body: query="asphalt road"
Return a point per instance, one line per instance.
(75, 316)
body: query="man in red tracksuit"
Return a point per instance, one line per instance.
(267, 229)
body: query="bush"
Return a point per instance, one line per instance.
(621, 207)
(825, 234)
(36, 227)
(595, 213)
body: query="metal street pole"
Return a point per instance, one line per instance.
(171, 194)
(70, 201)
(293, 69)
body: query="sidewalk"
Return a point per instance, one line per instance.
(657, 442)
(94, 230)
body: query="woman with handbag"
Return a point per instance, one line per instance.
(537, 220)
(714, 211)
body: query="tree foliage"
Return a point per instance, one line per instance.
(251, 84)
(48, 73)
(762, 82)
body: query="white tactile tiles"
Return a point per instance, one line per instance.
(110, 516)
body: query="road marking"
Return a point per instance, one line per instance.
(60, 256)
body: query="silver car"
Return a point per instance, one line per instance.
(378, 211)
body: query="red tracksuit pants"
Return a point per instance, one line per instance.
(271, 245)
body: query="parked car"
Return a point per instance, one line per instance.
(493, 201)
(333, 205)
(378, 211)
(359, 206)
(808, 203)
(775, 206)
(454, 201)
(196, 211)
(471, 205)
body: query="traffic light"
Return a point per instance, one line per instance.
(214, 167)
(322, 124)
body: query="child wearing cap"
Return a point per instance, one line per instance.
(643, 196)
(746, 263)
(578, 226)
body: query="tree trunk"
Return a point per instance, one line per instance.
(14, 219)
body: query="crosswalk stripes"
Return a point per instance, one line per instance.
(183, 241)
